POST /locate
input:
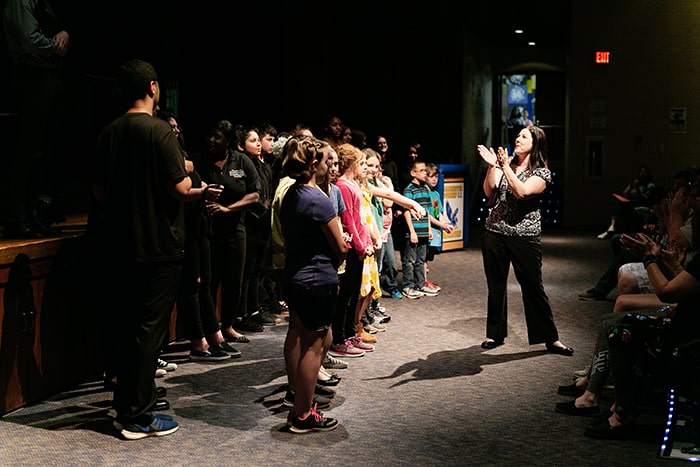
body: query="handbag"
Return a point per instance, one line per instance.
(649, 337)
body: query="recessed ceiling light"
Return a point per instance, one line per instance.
(530, 43)
(518, 31)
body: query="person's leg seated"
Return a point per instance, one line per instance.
(627, 283)
(636, 301)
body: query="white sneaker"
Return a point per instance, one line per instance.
(374, 327)
(160, 372)
(427, 292)
(408, 292)
(335, 363)
(167, 366)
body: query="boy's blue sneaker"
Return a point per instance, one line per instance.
(396, 294)
(162, 425)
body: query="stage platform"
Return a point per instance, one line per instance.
(49, 336)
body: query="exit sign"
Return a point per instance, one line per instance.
(602, 57)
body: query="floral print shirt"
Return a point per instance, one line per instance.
(517, 217)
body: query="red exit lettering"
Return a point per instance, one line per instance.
(602, 57)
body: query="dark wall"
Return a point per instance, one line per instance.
(392, 70)
(381, 70)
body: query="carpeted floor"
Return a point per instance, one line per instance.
(428, 394)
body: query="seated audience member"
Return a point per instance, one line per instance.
(588, 388)
(626, 205)
(640, 344)
(675, 232)
(608, 280)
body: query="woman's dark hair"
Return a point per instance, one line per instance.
(227, 129)
(359, 138)
(538, 154)
(242, 132)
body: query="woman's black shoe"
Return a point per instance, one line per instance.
(324, 391)
(248, 324)
(332, 381)
(161, 404)
(238, 339)
(571, 390)
(488, 345)
(567, 351)
(604, 430)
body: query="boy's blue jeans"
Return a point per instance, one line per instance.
(413, 261)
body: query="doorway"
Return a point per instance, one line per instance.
(517, 105)
(541, 98)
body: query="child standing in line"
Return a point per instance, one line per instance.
(418, 235)
(436, 224)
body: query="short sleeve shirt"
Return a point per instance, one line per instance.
(517, 217)
(308, 254)
(421, 195)
(239, 177)
(138, 162)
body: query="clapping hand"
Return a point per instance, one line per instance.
(640, 245)
(491, 157)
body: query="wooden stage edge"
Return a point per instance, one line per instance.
(51, 338)
(74, 226)
(49, 316)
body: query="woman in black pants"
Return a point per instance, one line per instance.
(512, 236)
(222, 165)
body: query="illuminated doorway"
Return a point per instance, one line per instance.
(517, 106)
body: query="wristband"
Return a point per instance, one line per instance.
(204, 191)
(649, 259)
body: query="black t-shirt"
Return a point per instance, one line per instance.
(138, 161)
(259, 220)
(239, 177)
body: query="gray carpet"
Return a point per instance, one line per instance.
(428, 394)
